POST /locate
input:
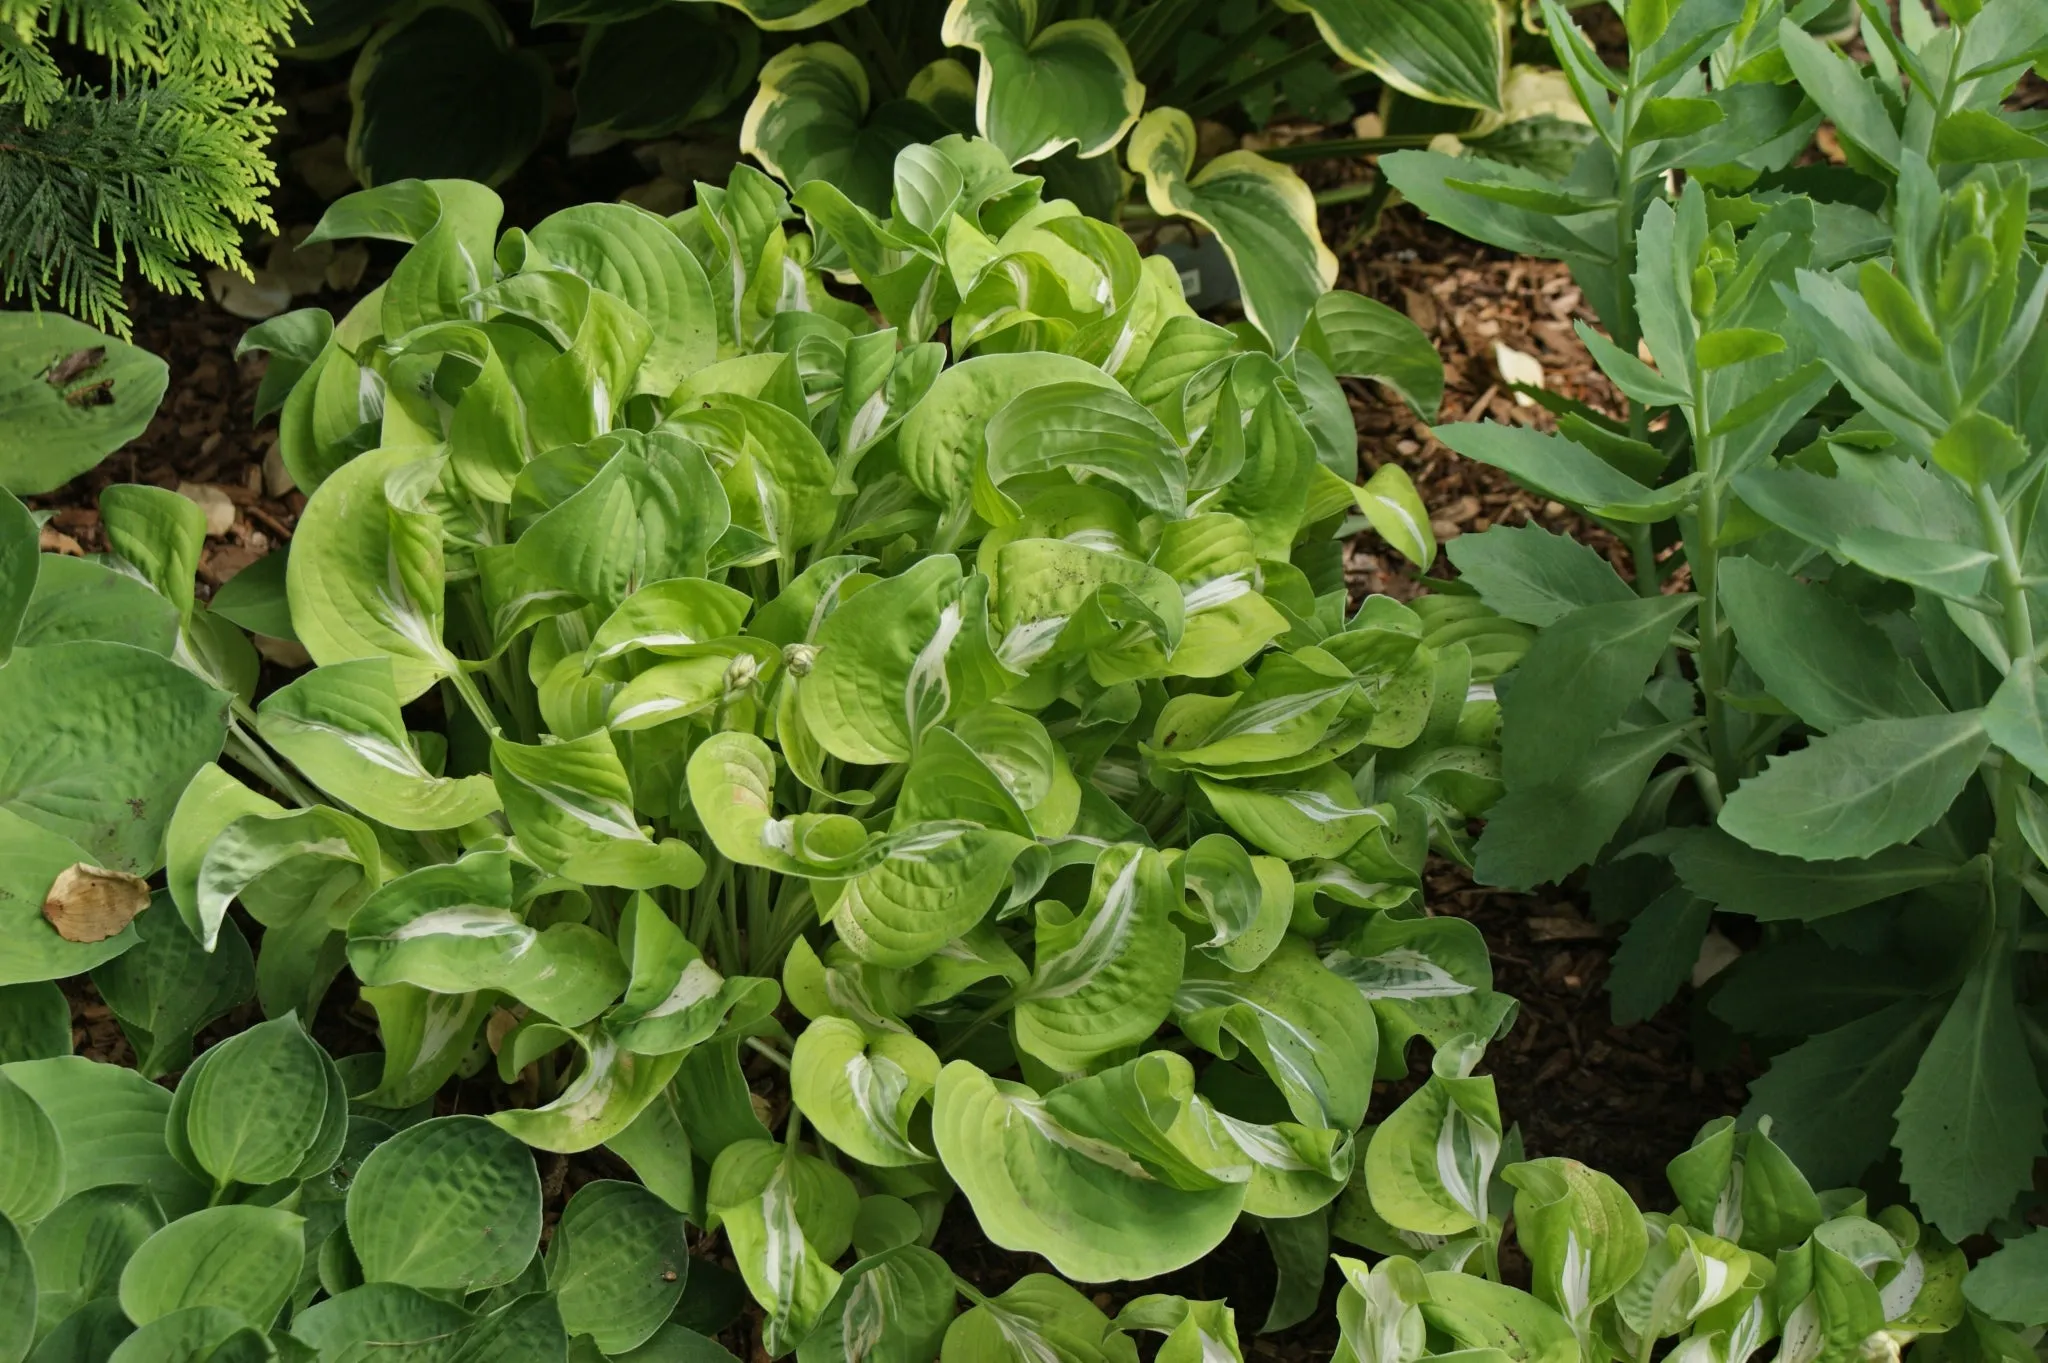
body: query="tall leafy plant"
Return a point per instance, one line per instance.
(1815, 706)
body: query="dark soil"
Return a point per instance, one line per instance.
(1622, 1099)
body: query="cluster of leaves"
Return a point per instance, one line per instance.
(163, 162)
(1819, 704)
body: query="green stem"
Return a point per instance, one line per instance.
(767, 1052)
(2011, 854)
(1347, 147)
(245, 749)
(465, 687)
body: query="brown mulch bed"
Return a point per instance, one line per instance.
(1622, 1099)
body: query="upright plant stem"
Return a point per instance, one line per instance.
(2010, 850)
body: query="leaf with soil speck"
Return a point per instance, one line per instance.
(90, 904)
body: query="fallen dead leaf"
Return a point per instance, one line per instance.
(55, 541)
(91, 904)
(219, 508)
(1518, 366)
(264, 295)
(1562, 929)
(1717, 953)
(286, 653)
(277, 479)
(324, 168)
(345, 271)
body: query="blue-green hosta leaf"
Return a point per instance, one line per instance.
(80, 1248)
(617, 1264)
(118, 733)
(1860, 789)
(242, 1259)
(1039, 1317)
(651, 512)
(1582, 1233)
(20, 560)
(1307, 1027)
(31, 859)
(941, 443)
(899, 658)
(1314, 813)
(1451, 53)
(571, 807)
(77, 598)
(426, 1036)
(366, 575)
(157, 533)
(675, 1000)
(35, 1021)
(1430, 977)
(451, 929)
(1260, 210)
(341, 726)
(1363, 338)
(33, 1182)
(1104, 977)
(1044, 88)
(811, 120)
(669, 618)
(1039, 1187)
(59, 430)
(893, 1305)
(787, 1216)
(450, 1204)
(1248, 900)
(1429, 1163)
(732, 788)
(261, 1107)
(859, 1091)
(632, 254)
(110, 1125)
(1091, 431)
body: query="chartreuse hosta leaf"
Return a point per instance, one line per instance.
(571, 807)
(859, 1091)
(1045, 86)
(1582, 1233)
(1248, 900)
(1260, 210)
(941, 443)
(893, 1304)
(1430, 1163)
(341, 726)
(787, 1217)
(1038, 1317)
(1423, 976)
(675, 1000)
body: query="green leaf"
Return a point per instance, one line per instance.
(33, 1181)
(1543, 832)
(616, 1264)
(366, 576)
(1423, 976)
(812, 119)
(1815, 652)
(1390, 502)
(1528, 574)
(1448, 53)
(1564, 469)
(104, 395)
(260, 1106)
(1038, 1187)
(1037, 1317)
(1042, 88)
(1248, 900)
(607, 1092)
(160, 534)
(1092, 431)
(240, 1259)
(1104, 977)
(35, 1022)
(2012, 1284)
(80, 1248)
(1577, 679)
(450, 1204)
(1772, 888)
(1970, 1123)
(168, 987)
(1315, 813)
(941, 443)
(110, 1124)
(1478, 1315)
(121, 732)
(860, 1092)
(1309, 1028)
(895, 1305)
(1657, 953)
(426, 1037)
(411, 121)
(1581, 1231)
(1260, 210)
(673, 619)
(1363, 338)
(20, 559)
(571, 806)
(1430, 1163)
(732, 788)
(651, 511)
(632, 255)
(77, 599)
(1830, 1099)
(1837, 84)
(341, 726)
(786, 1216)
(1860, 789)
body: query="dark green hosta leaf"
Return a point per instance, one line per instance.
(1037, 1317)
(1308, 1027)
(1261, 211)
(243, 1260)
(1044, 87)
(1103, 977)
(340, 725)
(450, 1204)
(812, 119)
(1743, 880)
(1450, 53)
(445, 93)
(1970, 1124)
(263, 1106)
(35, 1022)
(628, 70)
(110, 1124)
(80, 1248)
(1528, 574)
(31, 859)
(616, 1264)
(1038, 1186)
(1815, 653)
(106, 392)
(168, 987)
(1860, 789)
(120, 731)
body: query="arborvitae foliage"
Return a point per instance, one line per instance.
(153, 159)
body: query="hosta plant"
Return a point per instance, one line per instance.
(1817, 704)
